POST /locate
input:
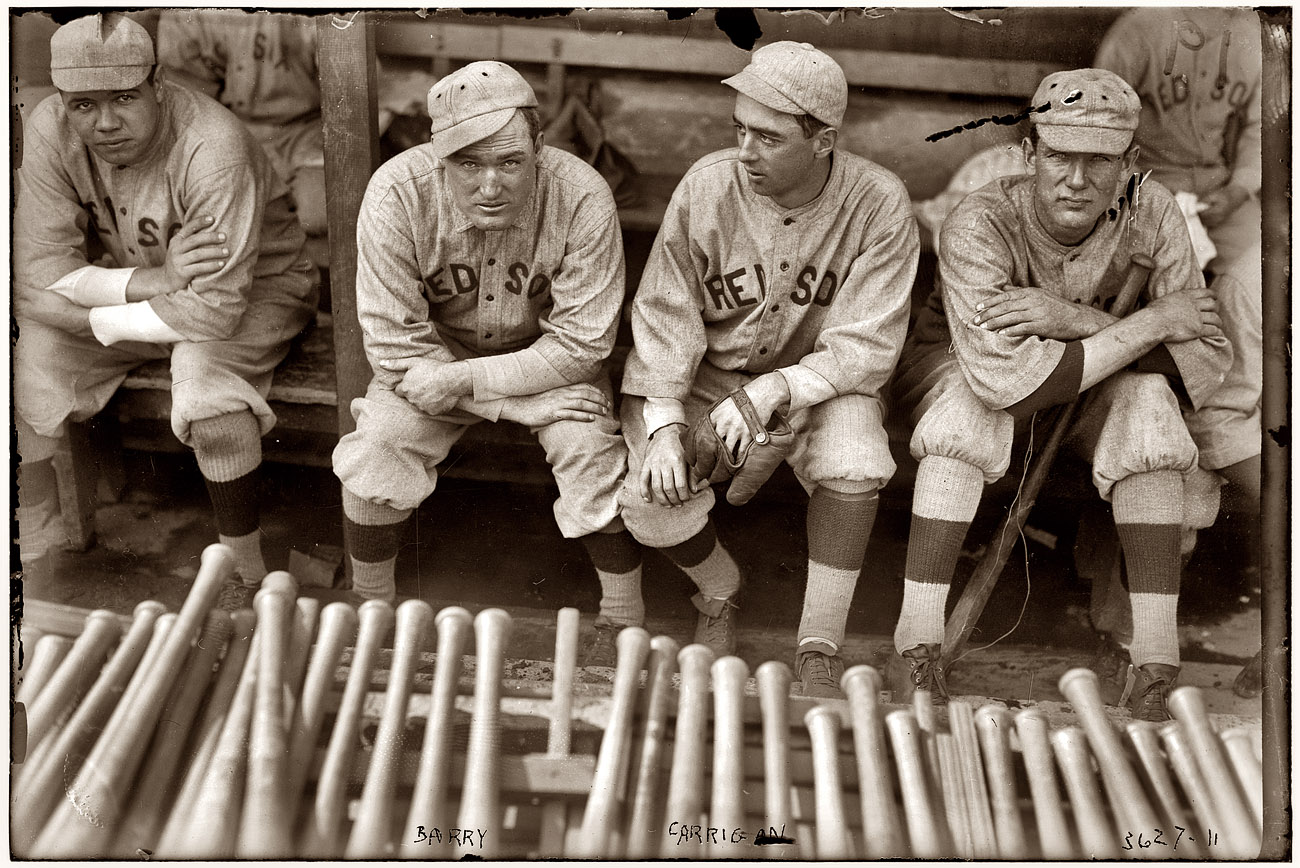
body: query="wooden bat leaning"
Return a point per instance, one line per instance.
(372, 832)
(338, 627)
(961, 722)
(1246, 766)
(955, 810)
(74, 676)
(1143, 735)
(47, 654)
(993, 723)
(644, 826)
(774, 679)
(925, 836)
(967, 611)
(727, 807)
(1040, 769)
(1193, 782)
(1242, 838)
(686, 778)
(1096, 836)
(321, 831)
(157, 781)
(555, 813)
(264, 828)
(306, 617)
(105, 779)
(615, 746)
(823, 725)
(39, 783)
(882, 828)
(480, 805)
(428, 803)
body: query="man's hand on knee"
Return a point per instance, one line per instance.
(665, 478)
(581, 402)
(767, 393)
(432, 386)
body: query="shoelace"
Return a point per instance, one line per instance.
(817, 670)
(715, 626)
(1153, 700)
(925, 675)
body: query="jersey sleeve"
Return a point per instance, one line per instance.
(1247, 166)
(1123, 52)
(668, 338)
(861, 339)
(578, 331)
(187, 50)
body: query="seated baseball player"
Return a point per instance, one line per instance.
(777, 291)
(202, 263)
(261, 66)
(1017, 325)
(489, 285)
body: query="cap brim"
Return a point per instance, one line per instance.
(1085, 140)
(89, 79)
(469, 131)
(755, 88)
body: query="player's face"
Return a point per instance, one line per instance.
(492, 179)
(779, 161)
(1073, 190)
(118, 126)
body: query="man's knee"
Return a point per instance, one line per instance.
(980, 438)
(660, 527)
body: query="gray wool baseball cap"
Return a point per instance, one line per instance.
(1092, 111)
(107, 51)
(474, 102)
(795, 78)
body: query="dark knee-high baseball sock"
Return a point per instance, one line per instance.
(703, 558)
(229, 452)
(946, 496)
(1148, 518)
(372, 533)
(617, 559)
(839, 525)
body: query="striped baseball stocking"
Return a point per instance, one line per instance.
(839, 525)
(1149, 518)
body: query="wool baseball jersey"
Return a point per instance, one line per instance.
(819, 292)
(532, 307)
(260, 65)
(993, 240)
(202, 163)
(1197, 72)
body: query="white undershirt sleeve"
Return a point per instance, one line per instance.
(659, 412)
(135, 321)
(93, 286)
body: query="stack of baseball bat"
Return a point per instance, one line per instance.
(296, 731)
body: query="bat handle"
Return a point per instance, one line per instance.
(881, 826)
(727, 810)
(662, 663)
(686, 778)
(823, 725)
(774, 679)
(480, 794)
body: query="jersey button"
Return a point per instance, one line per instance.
(487, 335)
(785, 266)
(787, 221)
(492, 262)
(762, 351)
(491, 298)
(123, 210)
(775, 308)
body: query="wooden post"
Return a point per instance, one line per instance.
(349, 113)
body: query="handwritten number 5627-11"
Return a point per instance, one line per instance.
(1143, 844)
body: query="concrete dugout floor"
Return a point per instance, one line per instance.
(481, 544)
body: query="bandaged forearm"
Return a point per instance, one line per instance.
(526, 372)
(135, 321)
(659, 412)
(94, 286)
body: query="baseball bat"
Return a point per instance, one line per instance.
(157, 781)
(75, 675)
(47, 654)
(480, 805)
(927, 720)
(1142, 735)
(264, 828)
(338, 627)
(925, 837)
(686, 777)
(643, 828)
(1096, 835)
(306, 617)
(1040, 769)
(208, 731)
(39, 783)
(615, 746)
(954, 796)
(967, 611)
(105, 778)
(823, 725)
(321, 832)
(1190, 777)
(550, 841)
(726, 805)
(961, 721)
(429, 802)
(1242, 837)
(1246, 766)
(1081, 687)
(882, 829)
(993, 724)
(373, 829)
(774, 681)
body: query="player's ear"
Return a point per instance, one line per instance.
(1027, 149)
(539, 142)
(156, 78)
(824, 141)
(1129, 160)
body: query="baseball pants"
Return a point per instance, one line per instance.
(393, 455)
(297, 152)
(840, 439)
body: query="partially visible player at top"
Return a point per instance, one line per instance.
(489, 285)
(150, 225)
(782, 274)
(1017, 324)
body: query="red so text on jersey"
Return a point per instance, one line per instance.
(745, 287)
(458, 278)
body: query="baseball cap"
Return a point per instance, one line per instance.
(795, 78)
(1093, 111)
(100, 52)
(474, 102)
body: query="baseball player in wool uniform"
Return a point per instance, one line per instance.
(202, 262)
(261, 66)
(489, 284)
(784, 267)
(1016, 325)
